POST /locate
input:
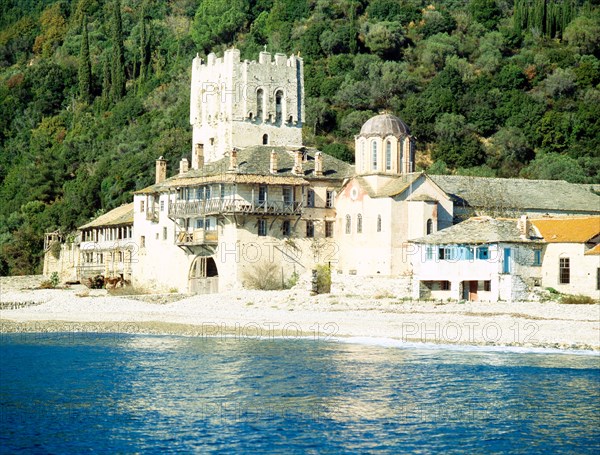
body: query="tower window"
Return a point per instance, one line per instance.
(259, 104)
(429, 226)
(388, 156)
(265, 139)
(278, 106)
(374, 156)
(378, 223)
(286, 228)
(359, 224)
(348, 224)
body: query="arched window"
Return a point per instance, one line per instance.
(278, 107)
(378, 223)
(374, 156)
(388, 156)
(265, 139)
(359, 224)
(362, 159)
(348, 224)
(259, 104)
(429, 226)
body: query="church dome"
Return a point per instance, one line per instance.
(384, 125)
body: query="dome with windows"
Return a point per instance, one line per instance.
(384, 125)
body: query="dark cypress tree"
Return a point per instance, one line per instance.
(144, 47)
(106, 85)
(85, 67)
(118, 55)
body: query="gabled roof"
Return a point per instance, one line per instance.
(119, 216)
(568, 230)
(254, 167)
(394, 187)
(593, 252)
(479, 230)
(518, 194)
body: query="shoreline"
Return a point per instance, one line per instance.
(86, 330)
(247, 314)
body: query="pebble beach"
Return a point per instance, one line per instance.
(248, 314)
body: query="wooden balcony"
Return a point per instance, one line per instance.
(188, 209)
(197, 237)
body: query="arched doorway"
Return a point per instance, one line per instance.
(204, 276)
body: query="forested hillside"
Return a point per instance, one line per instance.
(92, 92)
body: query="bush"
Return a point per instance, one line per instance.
(323, 279)
(264, 276)
(577, 299)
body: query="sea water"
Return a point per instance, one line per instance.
(108, 393)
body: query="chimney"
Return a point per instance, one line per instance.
(161, 170)
(297, 163)
(198, 156)
(184, 166)
(318, 164)
(233, 161)
(524, 225)
(273, 162)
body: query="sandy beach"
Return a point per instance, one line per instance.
(295, 313)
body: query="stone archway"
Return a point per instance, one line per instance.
(203, 276)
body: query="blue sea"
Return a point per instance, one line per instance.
(109, 393)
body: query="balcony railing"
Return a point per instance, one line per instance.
(197, 237)
(183, 209)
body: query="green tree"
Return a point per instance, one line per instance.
(553, 166)
(117, 75)
(217, 22)
(486, 12)
(85, 67)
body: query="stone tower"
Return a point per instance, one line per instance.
(384, 146)
(239, 104)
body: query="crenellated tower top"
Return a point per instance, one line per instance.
(238, 103)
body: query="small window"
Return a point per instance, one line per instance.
(537, 257)
(222, 191)
(262, 228)
(142, 241)
(310, 197)
(262, 194)
(259, 104)
(142, 206)
(162, 206)
(328, 229)
(329, 199)
(378, 223)
(286, 228)
(165, 233)
(310, 229)
(564, 271)
(388, 156)
(348, 224)
(429, 253)
(100, 258)
(265, 139)
(483, 253)
(487, 285)
(278, 107)
(207, 192)
(288, 195)
(200, 223)
(444, 285)
(507, 264)
(598, 278)
(374, 156)
(429, 226)
(121, 256)
(359, 224)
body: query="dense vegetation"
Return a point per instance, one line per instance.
(93, 91)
